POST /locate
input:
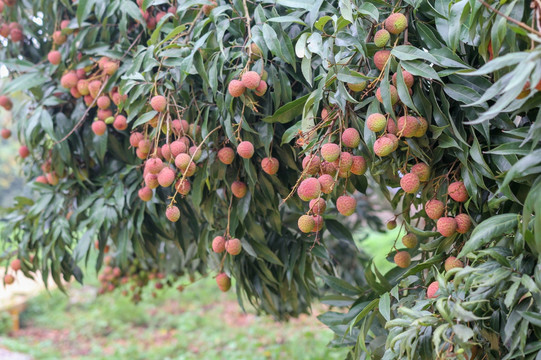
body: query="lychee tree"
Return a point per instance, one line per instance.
(234, 139)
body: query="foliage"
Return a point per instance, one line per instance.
(476, 83)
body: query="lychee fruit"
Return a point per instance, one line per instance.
(218, 244)
(103, 102)
(446, 226)
(226, 155)
(422, 171)
(99, 127)
(312, 162)
(423, 127)
(410, 183)
(251, 79)
(261, 88)
(318, 206)
(394, 140)
(236, 88)
(408, 126)
(59, 38)
(381, 57)
(345, 161)
(166, 177)
(42, 179)
(82, 87)
(318, 221)
(183, 187)
(245, 149)
(351, 138)
(16, 34)
(223, 281)
(270, 165)
(154, 165)
(452, 262)
(359, 86)
(69, 80)
(5, 102)
(233, 246)
(158, 103)
(324, 115)
(182, 161)
(110, 67)
(329, 168)
(5, 133)
(402, 259)
(346, 205)
(457, 191)
(239, 189)
(376, 122)
(306, 223)
(383, 146)
(463, 223)
(381, 38)
(434, 209)
(391, 224)
(145, 193)
(256, 51)
(15, 265)
(52, 178)
(54, 57)
(120, 123)
(326, 182)
(309, 189)
(396, 23)
(136, 138)
(208, 8)
(392, 128)
(178, 147)
(75, 93)
(409, 240)
(195, 151)
(432, 290)
(94, 88)
(392, 91)
(9, 279)
(330, 151)
(408, 79)
(172, 213)
(359, 165)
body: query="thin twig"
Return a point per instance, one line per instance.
(519, 23)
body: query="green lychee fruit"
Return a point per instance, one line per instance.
(381, 38)
(408, 126)
(452, 262)
(359, 165)
(423, 127)
(409, 240)
(236, 88)
(391, 224)
(233, 246)
(245, 149)
(327, 183)
(410, 183)
(251, 79)
(432, 290)
(346, 205)
(446, 226)
(166, 177)
(392, 91)
(463, 223)
(306, 223)
(239, 189)
(145, 193)
(422, 171)
(223, 281)
(457, 191)
(218, 244)
(172, 213)
(396, 23)
(351, 138)
(158, 103)
(383, 146)
(309, 189)
(381, 58)
(226, 155)
(376, 122)
(434, 209)
(318, 206)
(256, 51)
(330, 151)
(402, 259)
(270, 165)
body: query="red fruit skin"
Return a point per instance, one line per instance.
(24, 152)
(432, 290)
(226, 155)
(410, 183)
(99, 127)
(309, 189)
(434, 209)
(233, 246)
(457, 191)
(120, 123)
(359, 165)
(5, 102)
(261, 89)
(346, 205)
(136, 138)
(218, 244)
(166, 177)
(330, 152)
(5, 133)
(452, 262)
(446, 226)
(326, 183)
(463, 223)
(408, 126)
(351, 138)
(9, 279)
(319, 222)
(183, 187)
(239, 189)
(223, 281)
(408, 79)
(317, 206)
(312, 162)
(236, 88)
(172, 213)
(145, 193)
(380, 58)
(158, 103)
(154, 165)
(270, 165)
(422, 171)
(251, 79)
(402, 259)
(15, 265)
(54, 57)
(245, 149)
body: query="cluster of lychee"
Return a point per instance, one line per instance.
(14, 266)
(5, 133)
(12, 31)
(153, 14)
(250, 80)
(450, 263)
(232, 246)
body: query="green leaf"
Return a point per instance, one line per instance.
(489, 229)
(83, 9)
(419, 68)
(288, 112)
(385, 306)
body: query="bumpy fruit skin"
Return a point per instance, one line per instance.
(223, 281)
(9, 279)
(120, 123)
(434, 209)
(239, 189)
(381, 38)
(183, 187)
(392, 91)
(312, 162)
(151, 180)
(226, 155)
(376, 122)
(452, 262)
(145, 193)
(309, 189)
(233, 246)
(182, 161)
(423, 127)
(5, 102)
(69, 80)
(158, 103)
(15, 265)
(402, 259)
(218, 244)
(329, 168)
(172, 213)
(396, 23)
(306, 223)
(42, 179)
(103, 102)
(383, 146)
(270, 165)
(236, 88)
(136, 138)
(380, 58)
(245, 149)
(432, 290)
(261, 88)
(359, 165)
(351, 138)
(154, 165)
(391, 224)
(318, 220)
(463, 223)
(408, 79)
(446, 226)
(54, 57)
(99, 127)
(408, 126)
(357, 86)
(422, 171)
(195, 152)
(330, 152)
(208, 8)
(166, 177)
(346, 205)
(94, 88)
(251, 79)
(256, 51)
(410, 183)
(409, 240)
(326, 182)
(457, 191)
(317, 206)
(392, 128)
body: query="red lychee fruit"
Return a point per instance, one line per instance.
(166, 177)
(64, 24)
(94, 88)
(408, 79)
(54, 57)
(434, 209)
(151, 180)
(245, 149)
(158, 103)
(154, 165)
(218, 244)
(110, 67)
(318, 221)
(392, 128)
(381, 38)
(183, 187)
(423, 127)
(346, 205)
(52, 178)
(457, 191)
(410, 183)
(233, 246)
(172, 213)
(409, 240)
(261, 88)
(4, 29)
(392, 91)
(318, 206)
(381, 57)
(182, 161)
(312, 162)
(42, 179)
(270, 165)
(463, 223)
(9, 279)
(328, 168)
(120, 123)
(309, 189)
(75, 93)
(359, 165)
(351, 138)
(24, 152)
(376, 122)
(103, 102)
(396, 23)
(208, 8)
(82, 87)
(223, 281)
(344, 162)
(5, 102)
(306, 223)
(402, 259)
(195, 151)
(69, 80)
(15, 265)
(452, 262)
(330, 152)
(226, 155)
(326, 182)
(16, 34)
(145, 193)
(136, 138)
(422, 171)
(408, 126)
(383, 146)
(178, 147)
(324, 115)
(394, 140)
(236, 88)
(5, 133)
(59, 38)
(239, 189)
(104, 114)
(432, 290)
(446, 226)
(251, 79)
(99, 127)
